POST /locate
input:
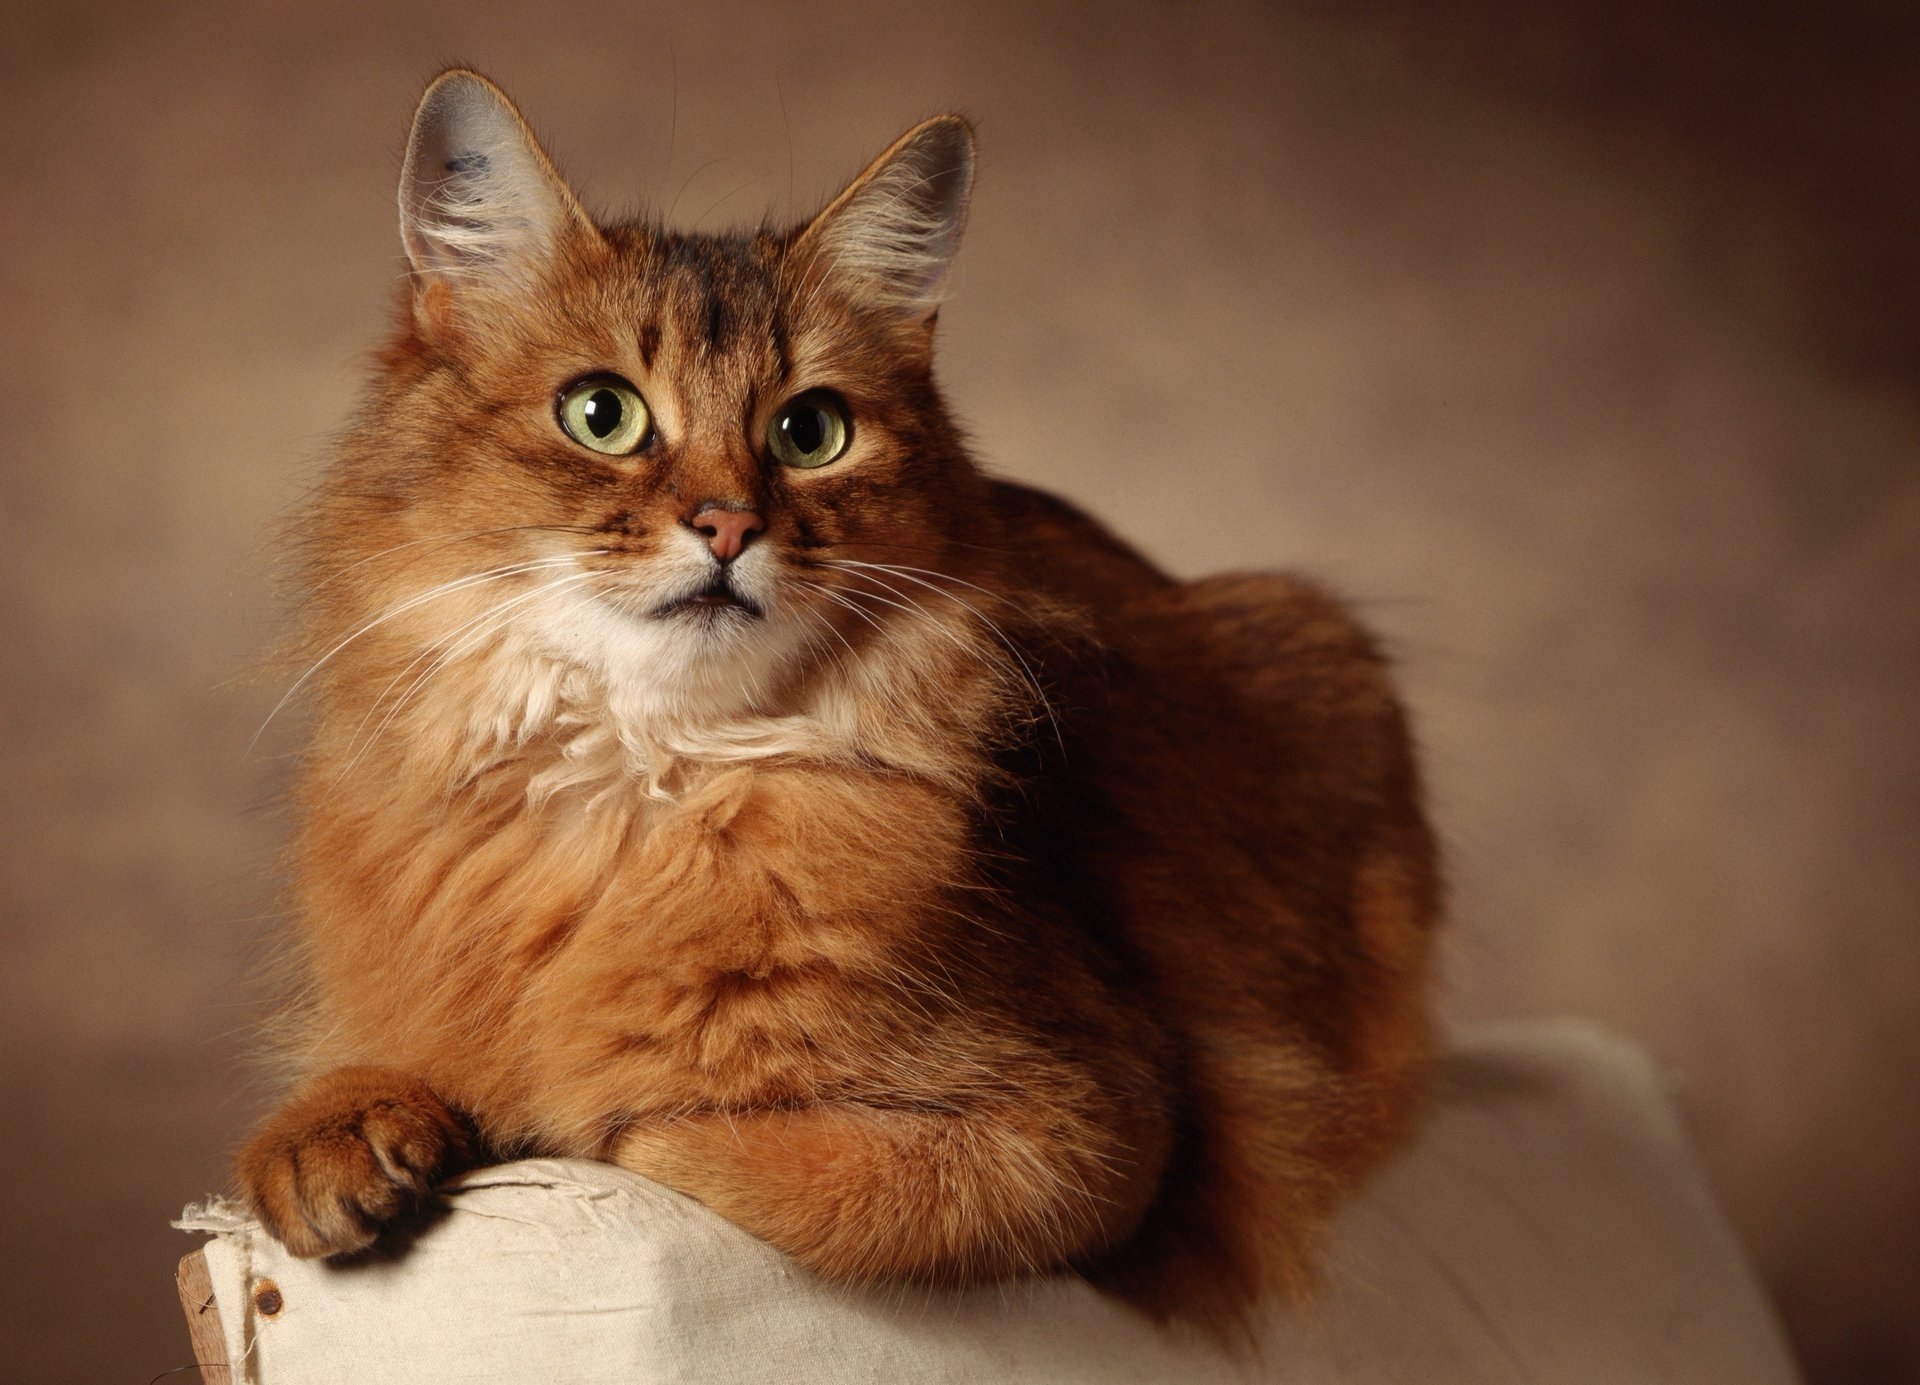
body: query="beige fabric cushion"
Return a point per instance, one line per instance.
(1550, 1225)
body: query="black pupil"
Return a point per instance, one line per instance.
(806, 429)
(602, 413)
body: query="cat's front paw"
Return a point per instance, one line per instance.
(348, 1154)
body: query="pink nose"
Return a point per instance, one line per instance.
(727, 530)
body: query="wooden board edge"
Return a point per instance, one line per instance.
(203, 1319)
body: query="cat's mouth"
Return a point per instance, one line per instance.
(716, 599)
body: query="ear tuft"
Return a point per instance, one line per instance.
(892, 235)
(478, 196)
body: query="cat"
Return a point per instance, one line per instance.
(712, 771)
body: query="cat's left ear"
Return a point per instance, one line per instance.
(890, 238)
(479, 198)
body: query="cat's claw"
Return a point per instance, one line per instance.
(352, 1151)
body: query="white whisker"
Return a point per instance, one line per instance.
(496, 618)
(820, 620)
(908, 604)
(841, 599)
(441, 539)
(431, 594)
(1032, 679)
(450, 646)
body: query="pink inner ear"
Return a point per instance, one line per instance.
(476, 194)
(892, 235)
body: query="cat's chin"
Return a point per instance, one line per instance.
(718, 657)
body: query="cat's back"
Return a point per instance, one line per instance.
(1247, 727)
(1244, 814)
(1247, 662)
(1064, 553)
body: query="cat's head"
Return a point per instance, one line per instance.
(705, 469)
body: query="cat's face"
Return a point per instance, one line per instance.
(688, 459)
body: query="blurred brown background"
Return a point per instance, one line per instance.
(1579, 342)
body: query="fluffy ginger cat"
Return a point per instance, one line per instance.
(713, 772)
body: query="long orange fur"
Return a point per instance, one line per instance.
(994, 905)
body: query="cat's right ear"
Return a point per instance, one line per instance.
(480, 201)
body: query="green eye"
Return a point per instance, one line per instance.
(605, 413)
(809, 430)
